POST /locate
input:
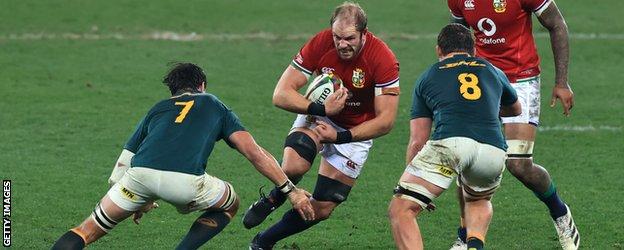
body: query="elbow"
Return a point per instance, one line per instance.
(385, 128)
(279, 100)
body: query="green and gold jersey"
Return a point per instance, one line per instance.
(463, 95)
(178, 134)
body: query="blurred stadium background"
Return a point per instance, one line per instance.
(76, 76)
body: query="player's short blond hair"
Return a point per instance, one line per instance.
(352, 11)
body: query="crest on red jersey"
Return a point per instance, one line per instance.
(358, 78)
(500, 6)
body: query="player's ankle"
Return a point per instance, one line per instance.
(474, 243)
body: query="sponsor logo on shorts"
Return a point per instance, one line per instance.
(128, 194)
(448, 172)
(351, 164)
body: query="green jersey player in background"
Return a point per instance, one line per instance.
(166, 158)
(463, 97)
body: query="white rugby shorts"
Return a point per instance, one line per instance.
(479, 166)
(186, 192)
(348, 158)
(528, 91)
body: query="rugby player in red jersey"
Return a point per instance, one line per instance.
(503, 31)
(342, 129)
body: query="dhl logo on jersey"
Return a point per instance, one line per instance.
(500, 6)
(460, 63)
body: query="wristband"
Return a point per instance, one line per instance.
(287, 187)
(344, 137)
(316, 109)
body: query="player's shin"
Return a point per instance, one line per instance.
(208, 225)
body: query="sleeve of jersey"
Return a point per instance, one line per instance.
(387, 74)
(137, 137)
(309, 55)
(231, 124)
(509, 95)
(536, 6)
(455, 9)
(419, 106)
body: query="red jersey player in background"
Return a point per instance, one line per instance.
(342, 129)
(503, 32)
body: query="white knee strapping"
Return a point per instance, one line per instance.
(231, 199)
(519, 149)
(102, 220)
(417, 189)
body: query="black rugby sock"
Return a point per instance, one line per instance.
(291, 223)
(208, 225)
(69, 241)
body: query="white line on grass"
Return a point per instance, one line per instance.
(585, 128)
(268, 36)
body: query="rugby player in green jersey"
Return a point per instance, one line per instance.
(166, 159)
(462, 97)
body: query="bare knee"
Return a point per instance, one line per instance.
(401, 209)
(518, 167)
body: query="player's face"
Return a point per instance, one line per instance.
(347, 39)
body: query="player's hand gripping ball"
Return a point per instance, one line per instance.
(322, 86)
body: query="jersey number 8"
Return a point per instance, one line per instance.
(468, 88)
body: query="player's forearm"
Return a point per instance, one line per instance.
(561, 51)
(371, 129)
(552, 20)
(291, 100)
(266, 164)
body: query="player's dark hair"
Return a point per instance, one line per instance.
(184, 77)
(351, 10)
(455, 37)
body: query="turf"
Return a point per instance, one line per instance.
(68, 105)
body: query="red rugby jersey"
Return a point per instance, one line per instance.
(374, 71)
(503, 31)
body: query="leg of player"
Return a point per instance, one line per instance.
(412, 195)
(478, 216)
(460, 242)
(520, 138)
(105, 216)
(212, 221)
(332, 188)
(300, 149)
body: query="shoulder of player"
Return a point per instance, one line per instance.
(376, 45)
(378, 51)
(426, 76)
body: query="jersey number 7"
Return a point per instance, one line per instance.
(468, 86)
(184, 111)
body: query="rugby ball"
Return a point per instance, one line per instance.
(321, 87)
